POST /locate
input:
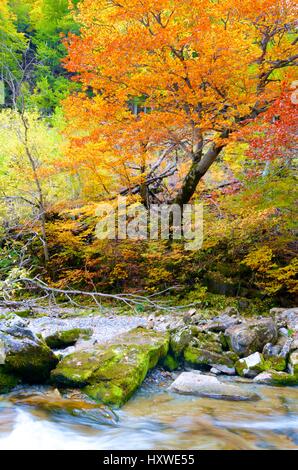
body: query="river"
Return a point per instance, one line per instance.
(153, 419)
(156, 419)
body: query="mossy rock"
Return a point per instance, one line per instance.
(256, 363)
(24, 313)
(112, 373)
(209, 341)
(251, 337)
(181, 338)
(275, 362)
(170, 363)
(7, 381)
(202, 357)
(273, 377)
(26, 355)
(63, 339)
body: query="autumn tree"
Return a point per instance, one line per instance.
(168, 83)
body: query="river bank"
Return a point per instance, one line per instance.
(247, 412)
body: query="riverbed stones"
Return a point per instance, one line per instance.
(273, 377)
(221, 323)
(111, 373)
(206, 350)
(180, 338)
(25, 355)
(248, 338)
(250, 366)
(222, 369)
(289, 319)
(193, 383)
(65, 338)
(255, 363)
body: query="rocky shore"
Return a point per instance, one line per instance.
(109, 368)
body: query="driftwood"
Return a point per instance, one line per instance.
(74, 297)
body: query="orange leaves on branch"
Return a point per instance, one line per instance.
(162, 76)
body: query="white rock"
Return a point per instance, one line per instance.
(263, 378)
(193, 383)
(224, 369)
(252, 360)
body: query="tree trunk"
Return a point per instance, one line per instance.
(199, 167)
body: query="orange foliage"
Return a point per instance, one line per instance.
(194, 68)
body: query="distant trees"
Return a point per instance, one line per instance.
(31, 34)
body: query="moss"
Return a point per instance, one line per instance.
(274, 362)
(209, 341)
(24, 313)
(170, 363)
(7, 381)
(111, 375)
(181, 338)
(282, 378)
(203, 357)
(76, 369)
(270, 363)
(34, 363)
(106, 392)
(63, 339)
(232, 356)
(240, 367)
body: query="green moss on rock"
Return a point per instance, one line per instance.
(256, 363)
(33, 364)
(7, 381)
(112, 373)
(273, 377)
(170, 363)
(63, 339)
(26, 355)
(181, 338)
(206, 349)
(202, 357)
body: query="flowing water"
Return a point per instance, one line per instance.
(153, 419)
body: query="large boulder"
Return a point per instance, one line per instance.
(65, 338)
(25, 355)
(112, 373)
(251, 337)
(191, 383)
